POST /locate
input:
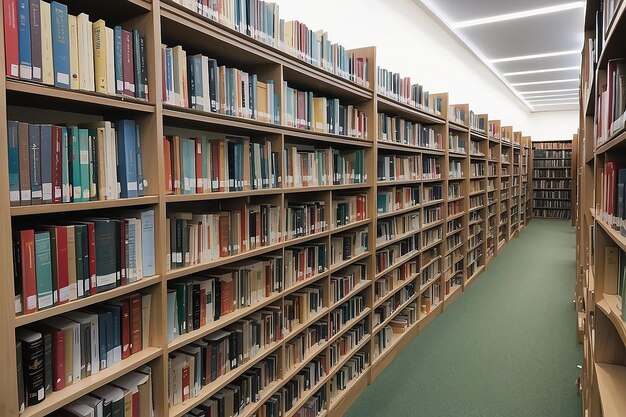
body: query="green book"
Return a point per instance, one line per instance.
(65, 175)
(43, 269)
(77, 190)
(85, 175)
(181, 306)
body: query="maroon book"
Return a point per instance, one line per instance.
(128, 63)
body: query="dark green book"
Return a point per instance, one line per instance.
(43, 269)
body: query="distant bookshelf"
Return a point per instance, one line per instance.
(552, 179)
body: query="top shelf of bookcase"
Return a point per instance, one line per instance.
(613, 43)
(199, 32)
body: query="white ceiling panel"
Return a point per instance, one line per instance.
(533, 35)
(517, 37)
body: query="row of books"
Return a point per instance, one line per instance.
(552, 204)
(46, 44)
(198, 82)
(261, 21)
(398, 88)
(60, 351)
(611, 200)
(398, 167)
(552, 213)
(551, 194)
(58, 263)
(389, 229)
(457, 115)
(308, 166)
(70, 164)
(390, 255)
(196, 238)
(305, 110)
(554, 154)
(476, 149)
(455, 169)
(477, 122)
(387, 308)
(433, 214)
(219, 163)
(552, 173)
(400, 198)
(552, 184)
(477, 169)
(456, 144)
(432, 193)
(550, 163)
(564, 145)
(398, 130)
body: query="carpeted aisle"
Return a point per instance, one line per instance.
(506, 348)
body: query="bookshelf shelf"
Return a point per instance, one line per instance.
(393, 315)
(18, 211)
(23, 92)
(84, 302)
(387, 105)
(611, 385)
(399, 147)
(609, 306)
(60, 398)
(398, 286)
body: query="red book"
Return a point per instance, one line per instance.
(60, 264)
(199, 175)
(57, 164)
(167, 156)
(135, 324)
(301, 116)
(185, 382)
(224, 234)
(226, 294)
(128, 63)
(29, 277)
(125, 328)
(123, 246)
(58, 356)
(11, 39)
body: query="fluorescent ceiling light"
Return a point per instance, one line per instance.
(556, 104)
(565, 80)
(571, 95)
(541, 71)
(536, 56)
(519, 15)
(546, 91)
(531, 99)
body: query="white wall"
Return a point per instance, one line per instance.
(412, 42)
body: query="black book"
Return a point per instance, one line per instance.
(212, 84)
(33, 365)
(196, 306)
(21, 405)
(47, 361)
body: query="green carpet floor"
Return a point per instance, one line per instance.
(506, 348)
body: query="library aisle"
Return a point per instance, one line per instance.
(506, 348)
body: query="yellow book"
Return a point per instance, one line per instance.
(47, 66)
(100, 56)
(319, 114)
(74, 70)
(262, 102)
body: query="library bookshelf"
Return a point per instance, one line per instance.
(600, 240)
(552, 179)
(467, 199)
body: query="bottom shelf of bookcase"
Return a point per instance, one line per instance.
(455, 293)
(470, 280)
(611, 388)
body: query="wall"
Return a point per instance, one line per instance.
(412, 42)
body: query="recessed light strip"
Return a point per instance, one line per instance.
(570, 95)
(520, 15)
(551, 99)
(565, 80)
(536, 56)
(547, 91)
(541, 71)
(556, 104)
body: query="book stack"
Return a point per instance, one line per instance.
(308, 166)
(457, 115)
(53, 164)
(477, 122)
(348, 245)
(307, 111)
(398, 130)
(219, 164)
(61, 351)
(431, 168)
(456, 144)
(305, 219)
(60, 262)
(398, 168)
(305, 262)
(46, 44)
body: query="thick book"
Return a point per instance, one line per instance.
(72, 25)
(136, 64)
(26, 244)
(74, 162)
(58, 162)
(32, 365)
(45, 137)
(86, 65)
(65, 166)
(47, 54)
(135, 323)
(23, 133)
(84, 164)
(100, 56)
(119, 59)
(60, 265)
(128, 63)
(110, 60)
(35, 38)
(23, 19)
(127, 158)
(91, 321)
(35, 163)
(14, 163)
(43, 268)
(106, 248)
(60, 45)
(11, 40)
(21, 390)
(57, 338)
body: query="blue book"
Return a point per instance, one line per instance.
(14, 163)
(34, 155)
(127, 158)
(214, 94)
(168, 70)
(45, 132)
(60, 44)
(119, 60)
(185, 162)
(23, 21)
(116, 341)
(198, 82)
(140, 190)
(65, 161)
(74, 164)
(253, 99)
(147, 242)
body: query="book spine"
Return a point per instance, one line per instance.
(140, 184)
(35, 39)
(60, 44)
(127, 65)
(99, 56)
(11, 40)
(127, 158)
(24, 162)
(43, 267)
(46, 163)
(28, 272)
(14, 163)
(33, 363)
(136, 64)
(35, 163)
(84, 157)
(26, 68)
(119, 60)
(74, 156)
(57, 165)
(143, 64)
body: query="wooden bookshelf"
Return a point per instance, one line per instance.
(451, 251)
(552, 166)
(601, 327)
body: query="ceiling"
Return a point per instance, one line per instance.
(533, 46)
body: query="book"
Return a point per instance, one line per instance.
(86, 62)
(127, 158)
(36, 37)
(32, 365)
(25, 54)
(43, 268)
(72, 26)
(60, 44)
(11, 41)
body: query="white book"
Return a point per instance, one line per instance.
(74, 53)
(79, 410)
(94, 403)
(92, 319)
(205, 84)
(146, 311)
(110, 57)
(85, 53)
(46, 72)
